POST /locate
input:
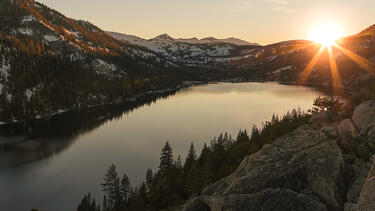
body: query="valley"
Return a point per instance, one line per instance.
(244, 126)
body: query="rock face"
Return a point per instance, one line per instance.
(299, 171)
(348, 133)
(320, 166)
(367, 199)
(364, 119)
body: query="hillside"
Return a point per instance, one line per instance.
(50, 63)
(303, 62)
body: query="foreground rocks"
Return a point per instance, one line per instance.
(367, 199)
(320, 166)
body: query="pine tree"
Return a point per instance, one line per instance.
(105, 208)
(191, 158)
(149, 179)
(242, 136)
(166, 157)
(178, 162)
(255, 135)
(110, 187)
(87, 204)
(125, 190)
(118, 200)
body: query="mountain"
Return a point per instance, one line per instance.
(163, 38)
(369, 30)
(299, 61)
(193, 40)
(191, 51)
(51, 63)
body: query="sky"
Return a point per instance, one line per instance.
(261, 21)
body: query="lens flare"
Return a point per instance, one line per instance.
(326, 34)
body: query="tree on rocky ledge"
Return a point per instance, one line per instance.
(327, 104)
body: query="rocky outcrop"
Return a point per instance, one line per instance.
(348, 135)
(302, 169)
(320, 166)
(364, 119)
(367, 199)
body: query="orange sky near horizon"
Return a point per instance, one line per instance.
(261, 21)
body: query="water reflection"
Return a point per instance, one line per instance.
(25, 142)
(64, 157)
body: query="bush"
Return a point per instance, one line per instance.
(333, 104)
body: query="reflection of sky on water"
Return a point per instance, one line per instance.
(54, 173)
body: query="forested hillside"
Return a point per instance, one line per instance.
(50, 63)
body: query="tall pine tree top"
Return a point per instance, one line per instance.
(166, 157)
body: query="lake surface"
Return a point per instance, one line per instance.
(51, 164)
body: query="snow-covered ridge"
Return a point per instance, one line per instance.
(194, 40)
(187, 51)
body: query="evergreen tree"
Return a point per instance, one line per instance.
(149, 179)
(111, 187)
(242, 136)
(255, 135)
(191, 158)
(105, 208)
(88, 204)
(118, 198)
(178, 162)
(125, 190)
(166, 157)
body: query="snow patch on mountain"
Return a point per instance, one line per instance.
(51, 38)
(30, 92)
(103, 67)
(4, 68)
(25, 31)
(29, 18)
(163, 37)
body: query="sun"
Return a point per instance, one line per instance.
(326, 34)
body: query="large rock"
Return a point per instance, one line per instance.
(272, 199)
(196, 204)
(348, 135)
(366, 201)
(364, 119)
(303, 168)
(356, 173)
(322, 118)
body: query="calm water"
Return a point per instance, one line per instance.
(61, 159)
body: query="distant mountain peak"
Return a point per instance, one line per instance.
(163, 37)
(209, 39)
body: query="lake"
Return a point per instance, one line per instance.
(50, 164)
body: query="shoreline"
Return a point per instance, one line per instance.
(131, 99)
(184, 84)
